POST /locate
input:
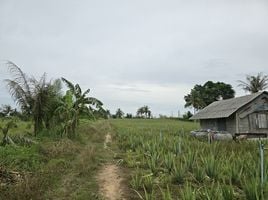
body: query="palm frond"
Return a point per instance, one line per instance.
(69, 85)
(20, 96)
(78, 91)
(85, 93)
(93, 101)
(57, 86)
(19, 76)
(254, 84)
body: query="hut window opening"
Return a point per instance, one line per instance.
(262, 121)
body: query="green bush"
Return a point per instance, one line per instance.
(21, 158)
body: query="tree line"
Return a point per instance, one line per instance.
(142, 112)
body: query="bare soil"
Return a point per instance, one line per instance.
(110, 182)
(110, 179)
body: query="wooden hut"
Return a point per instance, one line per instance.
(238, 116)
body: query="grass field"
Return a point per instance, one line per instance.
(158, 159)
(54, 168)
(167, 163)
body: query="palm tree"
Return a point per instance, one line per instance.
(20, 88)
(254, 84)
(144, 111)
(55, 95)
(108, 114)
(140, 112)
(149, 114)
(34, 97)
(119, 113)
(6, 110)
(46, 96)
(147, 111)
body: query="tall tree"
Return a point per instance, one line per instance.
(254, 84)
(140, 111)
(119, 113)
(187, 115)
(195, 98)
(144, 111)
(203, 95)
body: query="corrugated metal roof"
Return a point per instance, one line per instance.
(225, 108)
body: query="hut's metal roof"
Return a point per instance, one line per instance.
(225, 108)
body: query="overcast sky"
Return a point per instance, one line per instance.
(132, 53)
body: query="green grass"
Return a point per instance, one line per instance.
(21, 158)
(22, 128)
(56, 168)
(159, 159)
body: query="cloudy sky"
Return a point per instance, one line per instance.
(135, 52)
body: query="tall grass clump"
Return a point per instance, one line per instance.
(169, 160)
(252, 189)
(178, 174)
(136, 181)
(227, 192)
(166, 194)
(211, 166)
(188, 193)
(199, 174)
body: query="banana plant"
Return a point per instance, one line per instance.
(73, 104)
(67, 114)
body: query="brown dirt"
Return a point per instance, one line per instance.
(110, 182)
(109, 178)
(108, 140)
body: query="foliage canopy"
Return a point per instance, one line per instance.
(203, 95)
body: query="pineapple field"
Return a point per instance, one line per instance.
(165, 162)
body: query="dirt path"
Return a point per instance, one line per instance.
(110, 182)
(109, 179)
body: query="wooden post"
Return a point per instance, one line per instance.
(262, 162)
(262, 166)
(237, 123)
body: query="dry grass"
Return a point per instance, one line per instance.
(60, 148)
(79, 180)
(67, 169)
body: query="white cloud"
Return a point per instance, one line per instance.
(132, 53)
